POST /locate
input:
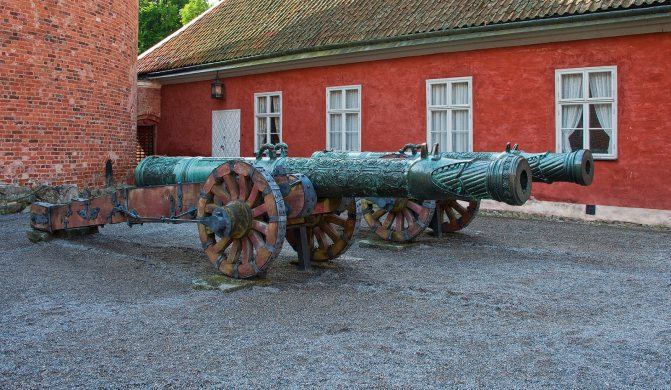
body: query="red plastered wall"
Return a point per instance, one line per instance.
(513, 100)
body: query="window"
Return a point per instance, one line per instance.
(449, 114)
(268, 118)
(587, 110)
(343, 118)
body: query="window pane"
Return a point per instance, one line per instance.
(599, 141)
(571, 86)
(571, 116)
(460, 141)
(460, 93)
(261, 105)
(262, 127)
(439, 121)
(335, 135)
(274, 138)
(460, 120)
(335, 99)
(438, 138)
(261, 139)
(275, 104)
(352, 99)
(352, 123)
(352, 140)
(439, 94)
(600, 128)
(571, 140)
(601, 116)
(275, 124)
(600, 85)
(352, 131)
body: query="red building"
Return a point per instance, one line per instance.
(471, 75)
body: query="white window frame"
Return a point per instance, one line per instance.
(268, 116)
(586, 101)
(343, 111)
(449, 108)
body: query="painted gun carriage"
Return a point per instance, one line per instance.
(244, 208)
(392, 219)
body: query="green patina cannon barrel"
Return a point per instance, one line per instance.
(574, 167)
(506, 179)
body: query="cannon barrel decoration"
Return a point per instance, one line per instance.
(574, 167)
(245, 208)
(506, 179)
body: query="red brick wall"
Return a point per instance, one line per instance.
(67, 91)
(513, 100)
(148, 102)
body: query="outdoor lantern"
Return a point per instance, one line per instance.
(217, 89)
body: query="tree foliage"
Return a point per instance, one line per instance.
(160, 18)
(192, 9)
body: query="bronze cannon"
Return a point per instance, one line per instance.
(391, 219)
(244, 208)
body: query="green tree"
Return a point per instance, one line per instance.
(192, 9)
(157, 20)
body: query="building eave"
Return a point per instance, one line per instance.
(613, 24)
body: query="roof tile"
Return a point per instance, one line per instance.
(243, 29)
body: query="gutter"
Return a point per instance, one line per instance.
(647, 14)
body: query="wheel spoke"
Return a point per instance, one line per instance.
(389, 219)
(399, 222)
(247, 253)
(461, 209)
(321, 238)
(253, 195)
(328, 229)
(242, 183)
(259, 210)
(234, 254)
(219, 191)
(409, 218)
(379, 213)
(450, 215)
(231, 186)
(415, 207)
(220, 246)
(335, 219)
(260, 227)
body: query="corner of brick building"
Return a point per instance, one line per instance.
(68, 92)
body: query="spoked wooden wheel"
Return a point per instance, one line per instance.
(398, 220)
(243, 219)
(457, 214)
(330, 235)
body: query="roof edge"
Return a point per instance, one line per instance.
(179, 31)
(547, 26)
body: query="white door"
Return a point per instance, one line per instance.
(226, 133)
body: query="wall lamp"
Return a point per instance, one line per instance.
(217, 89)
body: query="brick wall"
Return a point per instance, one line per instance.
(67, 91)
(148, 102)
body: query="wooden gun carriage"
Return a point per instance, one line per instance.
(245, 208)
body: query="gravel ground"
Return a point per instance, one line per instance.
(504, 304)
